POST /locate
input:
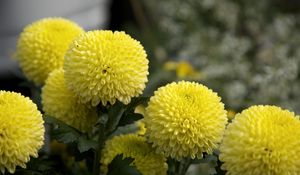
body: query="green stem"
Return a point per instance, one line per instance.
(101, 142)
(114, 121)
(107, 123)
(96, 166)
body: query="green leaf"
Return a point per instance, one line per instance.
(137, 101)
(130, 118)
(127, 129)
(28, 172)
(39, 166)
(122, 166)
(85, 144)
(115, 113)
(52, 120)
(65, 135)
(62, 132)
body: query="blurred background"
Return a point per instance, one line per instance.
(247, 51)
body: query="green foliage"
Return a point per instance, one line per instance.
(61, 131)
(122, 166)
(124, 114)
(43, 166)
(85, 144)
(127, 129)
(119, 119)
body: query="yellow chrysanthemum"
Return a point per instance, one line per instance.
(146, 161)
(140, 109)
(42, 46)
(262, 140)
(105, 66)
(141, 127)
(21, 131)
(185, 119)
(62, 104)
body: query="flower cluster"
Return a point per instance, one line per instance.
(21, 131)
(78, 70)
(89, 81)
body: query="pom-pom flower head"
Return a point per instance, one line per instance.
(21, 131)
(62, 104)
(105, 66)
(185, 119)
(146, 161)
(262, 140)
(42, 46)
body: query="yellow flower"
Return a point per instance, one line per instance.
(170, 65)
(185, 119)
(141, 127)
(105, 66)
(42, 45)
(183, 69)
(140, 109)
(262, 140)
(230, 114)
(62, 104)
(146, 161)
(21, 131)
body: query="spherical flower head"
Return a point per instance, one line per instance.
(62, 104)
(105, 66)
(21, 131)
(42, 45)
(262, 140)
(185, 119)
(146, 161)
